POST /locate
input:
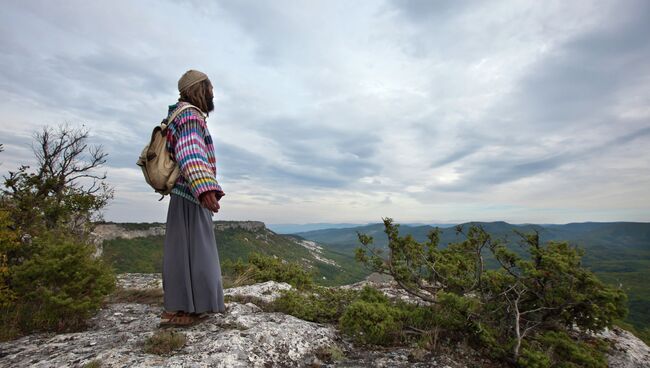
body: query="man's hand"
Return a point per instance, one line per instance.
(210, 200)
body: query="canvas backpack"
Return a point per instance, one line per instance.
(158, 165)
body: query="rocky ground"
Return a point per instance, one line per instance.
(243, 336)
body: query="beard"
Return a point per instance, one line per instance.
(210, 104)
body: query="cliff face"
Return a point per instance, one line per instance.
(113, 231)
(245, 225)
(104, 232)
(243, 336)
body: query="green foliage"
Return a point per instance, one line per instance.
(164, 342)
(531, 358)
(512, 307)
(58, 288)
(53, 196)
(372, 323)
(616, 252)
(330, 353)
(142, 255)
(552, 287)
(93, 364)
(367, 315)
(372, 318)
(235, 242)
(9, 246)
(49, 279)
(558, 349)
(260, 268)
(322, 304)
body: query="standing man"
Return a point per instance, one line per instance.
(192, 282)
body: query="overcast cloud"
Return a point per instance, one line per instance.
(333, 111)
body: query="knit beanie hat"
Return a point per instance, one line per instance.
(190, 78)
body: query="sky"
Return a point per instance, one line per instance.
(338, 111)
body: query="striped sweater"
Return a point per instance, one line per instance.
(190, 143)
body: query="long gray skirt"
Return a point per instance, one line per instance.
(191, 270)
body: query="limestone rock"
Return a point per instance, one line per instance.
(317, 252)
(267, 291)
(628, 350)
(244, 336)
(246, 225)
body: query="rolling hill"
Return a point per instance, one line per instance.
(130, 247)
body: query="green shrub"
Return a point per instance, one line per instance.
(9, 244)
(260, 268)
(564, 351)
(372, 322)
(371, 295)
(58, 288)
(330, 353)
(49, 279)
(538, 289)
(368, 315)
(323, 305)
(531, 358)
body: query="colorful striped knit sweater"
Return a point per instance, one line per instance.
(189, 141)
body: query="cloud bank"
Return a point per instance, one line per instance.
(336, 112)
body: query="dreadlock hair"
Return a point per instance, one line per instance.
(199, 95)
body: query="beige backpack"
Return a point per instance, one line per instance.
(158, 166)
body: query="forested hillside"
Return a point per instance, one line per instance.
(235, 240)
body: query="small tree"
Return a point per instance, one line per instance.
(512, 305)
(65, 190)
(49, 279)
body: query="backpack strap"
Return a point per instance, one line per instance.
(174, 115)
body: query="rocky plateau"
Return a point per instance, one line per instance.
(243, 336)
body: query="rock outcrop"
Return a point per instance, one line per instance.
(113, 231)
(316, 251)
(109, 231)
(246, 225)
(628, 350)
(243, 336)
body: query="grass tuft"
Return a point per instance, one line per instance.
(93, 364)
(164, 342)
(332, 353)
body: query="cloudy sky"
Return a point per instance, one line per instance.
(339, 111)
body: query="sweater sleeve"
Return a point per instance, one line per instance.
(190, 153)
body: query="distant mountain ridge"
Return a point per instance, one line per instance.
(297, 228)
(301, 228)
(636, 234)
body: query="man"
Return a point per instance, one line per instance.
(192, 282)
